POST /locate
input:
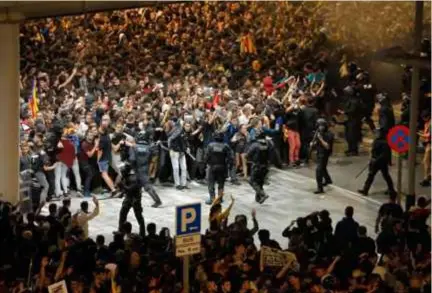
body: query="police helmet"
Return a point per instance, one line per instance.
(348, 91)
(218, 136)
(260, 134)
(366, 75)
(125, 168)
(381, 97)
(143, 136)
(322, 122)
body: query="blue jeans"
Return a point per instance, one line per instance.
(103, 166)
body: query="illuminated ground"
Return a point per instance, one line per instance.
(290, 197)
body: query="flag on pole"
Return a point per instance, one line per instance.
(34, 100)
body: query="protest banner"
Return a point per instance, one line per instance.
(59, 287)
(271, 257)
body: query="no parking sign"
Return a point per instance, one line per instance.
(398, 139)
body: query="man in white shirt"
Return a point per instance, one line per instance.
(84, 216)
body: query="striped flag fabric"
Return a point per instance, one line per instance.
(34, 100)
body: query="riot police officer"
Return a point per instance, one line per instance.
(132, 190)
(354, 113)
(367, 94)
(259, 154)
(386, 118)
(130, 127)
(218, 157)
(139, 157)
(380, 160)
(323, 142)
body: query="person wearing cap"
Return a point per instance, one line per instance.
(323, 143)
(380, 160)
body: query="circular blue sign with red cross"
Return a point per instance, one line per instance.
(398, 138)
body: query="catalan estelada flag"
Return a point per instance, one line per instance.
(34, 100)
(247, 44)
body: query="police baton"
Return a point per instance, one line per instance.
(362, 170)
(190, 155)
(167, 149)
(312, 143)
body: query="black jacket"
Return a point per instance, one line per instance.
(260, 152)
(386, 118)
(219, 154)
(381, 153)
(346, 232)
(177, 139)
(307, 120)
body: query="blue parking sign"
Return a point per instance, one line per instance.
(188, 219)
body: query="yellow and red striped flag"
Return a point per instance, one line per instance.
(34, 100)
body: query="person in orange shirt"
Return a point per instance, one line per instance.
(426, 137)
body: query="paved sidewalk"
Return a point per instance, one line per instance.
(344, 169)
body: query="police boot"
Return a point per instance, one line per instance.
(390, 192)
(365, 190)
(257, 197)
(263, 198)
(362, 192)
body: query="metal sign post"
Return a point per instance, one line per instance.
(399, 140)
(186, 274)
(399, 178)
(188, 236)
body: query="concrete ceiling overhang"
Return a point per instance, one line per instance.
(42, 9)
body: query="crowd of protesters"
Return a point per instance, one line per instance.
(208, 67)
(90, 82)
(324, 256)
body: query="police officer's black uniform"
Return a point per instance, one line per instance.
(323, 153)
(132, 191)
(308, 119)
(258, 154)
(380, 160)
(139, 157)
(367, 94)
(218, 157)
(386, 118)
(353, 111)
(131, 129)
